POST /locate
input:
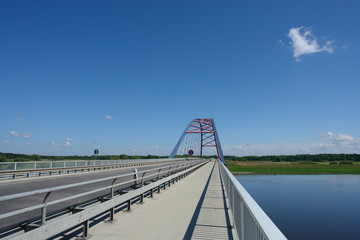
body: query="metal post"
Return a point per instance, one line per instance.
(86, 229)
(112, 215)
(169, 171)
(43, 210)
(158, 176)
(242, 227)
(142, 179)
(136, 177)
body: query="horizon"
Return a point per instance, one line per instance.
(177, 155)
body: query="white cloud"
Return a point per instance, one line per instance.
(109, 117)
(23, 135)
(70, 140)
(27, 135)
(6, 142)
(67, 144)
(340, 140)
(304, 42)
(153, 148)
(53, 143)
(328, 142)
(15, 134)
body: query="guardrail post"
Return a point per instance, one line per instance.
(86, 227)
(136, 177)
(142, 179)
(112, 214)
(43, 210)
(158, 176)
(142, 198)
(242, 225)
(169, 171)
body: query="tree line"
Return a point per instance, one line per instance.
(14, 157)
(299, 158)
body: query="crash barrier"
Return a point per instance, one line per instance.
(12, 170)
(144, 183)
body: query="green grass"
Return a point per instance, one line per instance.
(258, 167)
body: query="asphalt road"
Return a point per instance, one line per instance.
(30, 184)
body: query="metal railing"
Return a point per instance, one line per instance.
(15, 166)
(12, 170)
(45, 229)
(250, 221)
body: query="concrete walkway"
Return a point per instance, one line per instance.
(193, 208)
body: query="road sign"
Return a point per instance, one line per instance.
(96, 151)
(191, 152)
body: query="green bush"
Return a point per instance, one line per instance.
(333, 163)
(20, 160)
(346, 163)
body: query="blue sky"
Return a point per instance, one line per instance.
(278, 77)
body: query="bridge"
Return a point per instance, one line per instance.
(186, 196)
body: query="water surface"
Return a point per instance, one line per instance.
(311, 207)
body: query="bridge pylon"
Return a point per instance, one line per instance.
(199, 134)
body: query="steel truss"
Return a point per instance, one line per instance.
(208, 135)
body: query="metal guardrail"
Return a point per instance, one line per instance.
(46, 229)
(250, 221)
(14, 166)
(12, 170)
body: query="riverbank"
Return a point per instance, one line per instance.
(267, 167)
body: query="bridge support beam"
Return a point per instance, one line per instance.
(205, 127)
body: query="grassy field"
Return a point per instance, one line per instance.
(259, 167)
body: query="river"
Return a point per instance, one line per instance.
(309, 207)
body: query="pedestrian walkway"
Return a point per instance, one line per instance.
(193, 208)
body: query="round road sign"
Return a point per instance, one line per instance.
(96, 151)
(191, 152)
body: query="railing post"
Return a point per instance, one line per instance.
(169, 171)
(86, 227)
(158, 176)
(136, 177)
(242, 225)
(43, 210)
(142, 179)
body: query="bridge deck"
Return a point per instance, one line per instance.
(193, 208)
